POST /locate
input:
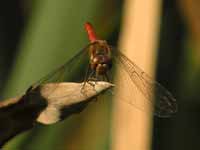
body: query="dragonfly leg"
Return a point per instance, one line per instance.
(86, 78)
(107, 77)
(91, 78)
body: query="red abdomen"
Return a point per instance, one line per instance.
(90, 31)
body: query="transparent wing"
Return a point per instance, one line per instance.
(73, 70)
(165, 104)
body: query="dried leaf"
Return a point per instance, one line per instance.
(67, 98)
(47, 104)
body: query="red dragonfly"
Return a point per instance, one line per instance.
(100, 58)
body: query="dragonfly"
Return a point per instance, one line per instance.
(99, 58)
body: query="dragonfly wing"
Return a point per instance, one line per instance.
(165, 104)
(70, 71)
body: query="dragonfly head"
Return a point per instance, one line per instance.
(101, 64)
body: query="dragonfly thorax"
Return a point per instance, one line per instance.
(100, 57)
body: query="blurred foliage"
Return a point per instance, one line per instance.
(179, 69)
(53, 33)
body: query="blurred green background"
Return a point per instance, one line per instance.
(37, 36)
